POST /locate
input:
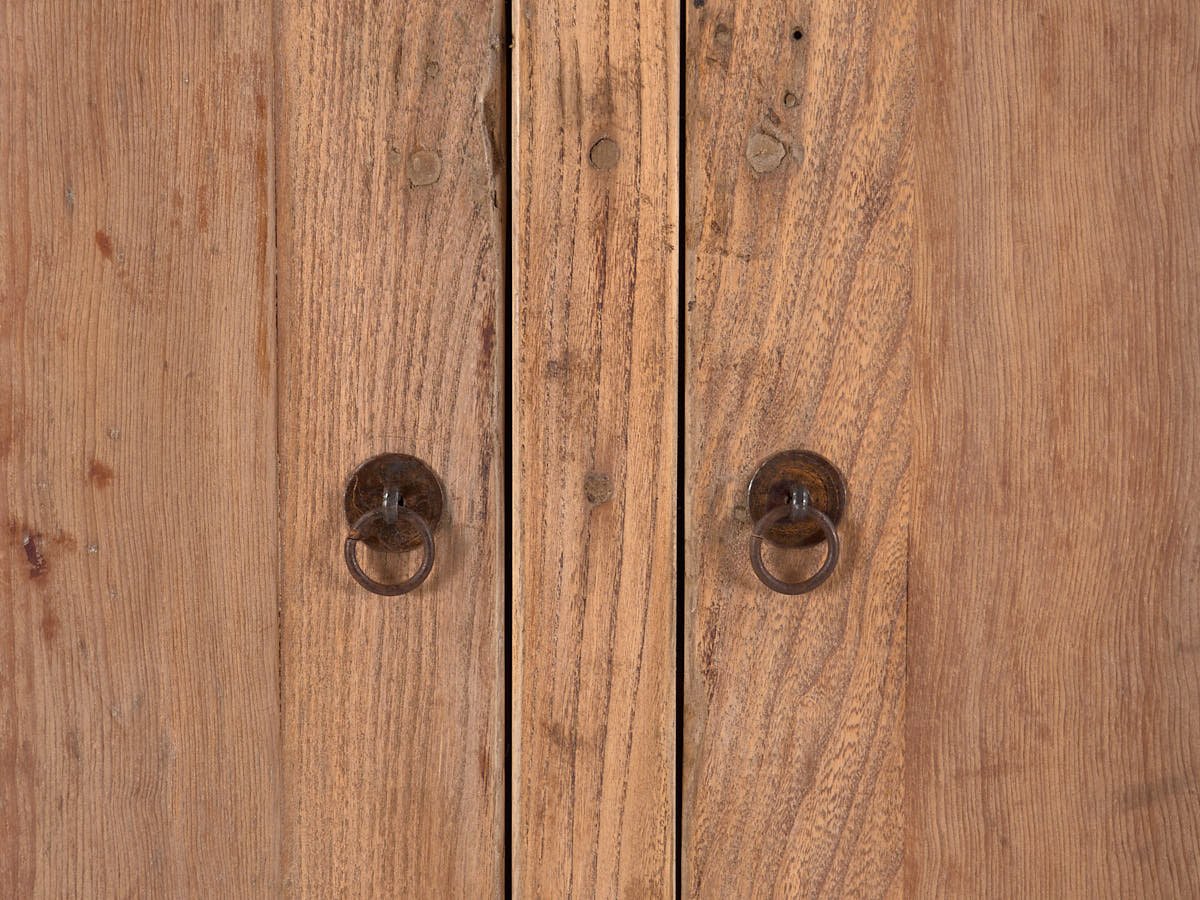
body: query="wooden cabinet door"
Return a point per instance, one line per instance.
(390, 218)
(953, 247)
(593, 263)
(248, 246)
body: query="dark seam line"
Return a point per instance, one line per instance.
(275, 111)
(507, 518)
(680, 447)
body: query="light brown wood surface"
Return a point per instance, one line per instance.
(798, 279)
(391, 339)
(954, 247)
(594, 492)
(1053, 732)
(139, 751)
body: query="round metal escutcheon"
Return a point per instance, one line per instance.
(417, 487)
(779, 477)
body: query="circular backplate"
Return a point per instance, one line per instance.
(777, 479)
(417, 486)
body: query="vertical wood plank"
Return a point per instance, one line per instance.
(138, 624)
(1054, 694)
(391, 186)
(596, 228)
(798, 280)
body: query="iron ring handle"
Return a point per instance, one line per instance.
(382, 515)
(803, 509)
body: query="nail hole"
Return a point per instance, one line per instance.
(797, 34)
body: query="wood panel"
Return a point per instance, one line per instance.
(798, 282)
(138, 676)
(391, 161)
(596, 229)
(1054, 694)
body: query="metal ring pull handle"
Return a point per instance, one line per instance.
(393, 504)
(799, 507)
(796, 499)
(381, 516)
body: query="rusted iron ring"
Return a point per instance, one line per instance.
(798, 506)
(389, 515)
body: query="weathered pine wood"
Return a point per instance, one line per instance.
(391, 145)
(1054, 696)
(596, 229)
(798, 282)
(139, 751)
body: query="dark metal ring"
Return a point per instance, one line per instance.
(777, 514)
(382, 515)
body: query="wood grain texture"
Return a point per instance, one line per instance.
(138, 680)
(1054, 697)
(798, 282)
(391, 261)
(596, 226)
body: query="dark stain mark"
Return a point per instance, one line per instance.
(489, 337)
(102, 476)
(33, 553)
(262, 351)
(598, 488)
(266, 315)
(202, 207)
(559, 736)
(216, 24)
(487, 347)
(50, 626)
(398, 67)
(260, 162)
(65, 541)
(1150, 793)
(721, 49)
(8, 435)
(260, 105)
(104, 242)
